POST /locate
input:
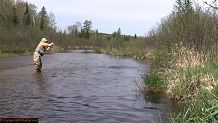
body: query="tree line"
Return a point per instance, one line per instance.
(22, 27)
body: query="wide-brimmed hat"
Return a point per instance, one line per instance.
(44, 39)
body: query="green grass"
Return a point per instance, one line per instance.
(4, 55)
(154, 81)
(97, 50)
(213, 68)
(203, 110)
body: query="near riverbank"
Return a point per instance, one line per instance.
(3, 55)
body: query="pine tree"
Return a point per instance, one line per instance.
(27, 16)
(118, 35)
(87, 25)
(43, 18)
(15, 19)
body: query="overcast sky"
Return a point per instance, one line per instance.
(131, 16)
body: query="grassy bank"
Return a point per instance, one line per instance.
(203, 109)
(189, 78)
(3, 55)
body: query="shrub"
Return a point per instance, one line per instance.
(154, 81)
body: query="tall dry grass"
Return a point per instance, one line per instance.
(190, 78)
(187, 73)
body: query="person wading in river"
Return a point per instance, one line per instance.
(40, 51)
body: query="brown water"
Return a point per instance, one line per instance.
(78, 87)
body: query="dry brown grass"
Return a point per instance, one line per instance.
(184, 57)
(183, 81)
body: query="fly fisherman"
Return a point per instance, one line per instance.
(40, 51)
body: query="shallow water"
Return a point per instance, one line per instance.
(78, 87)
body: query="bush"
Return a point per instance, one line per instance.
(154, 81)
(97, 50)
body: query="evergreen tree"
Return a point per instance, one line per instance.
(87, 34)
(96, 32)
(27, 16)
(118, 35)
(87, 25)
(114, 34)
(44, 20)
(15, 19)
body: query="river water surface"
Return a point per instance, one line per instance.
(78, 87)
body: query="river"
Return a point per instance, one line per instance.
(78, 87)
